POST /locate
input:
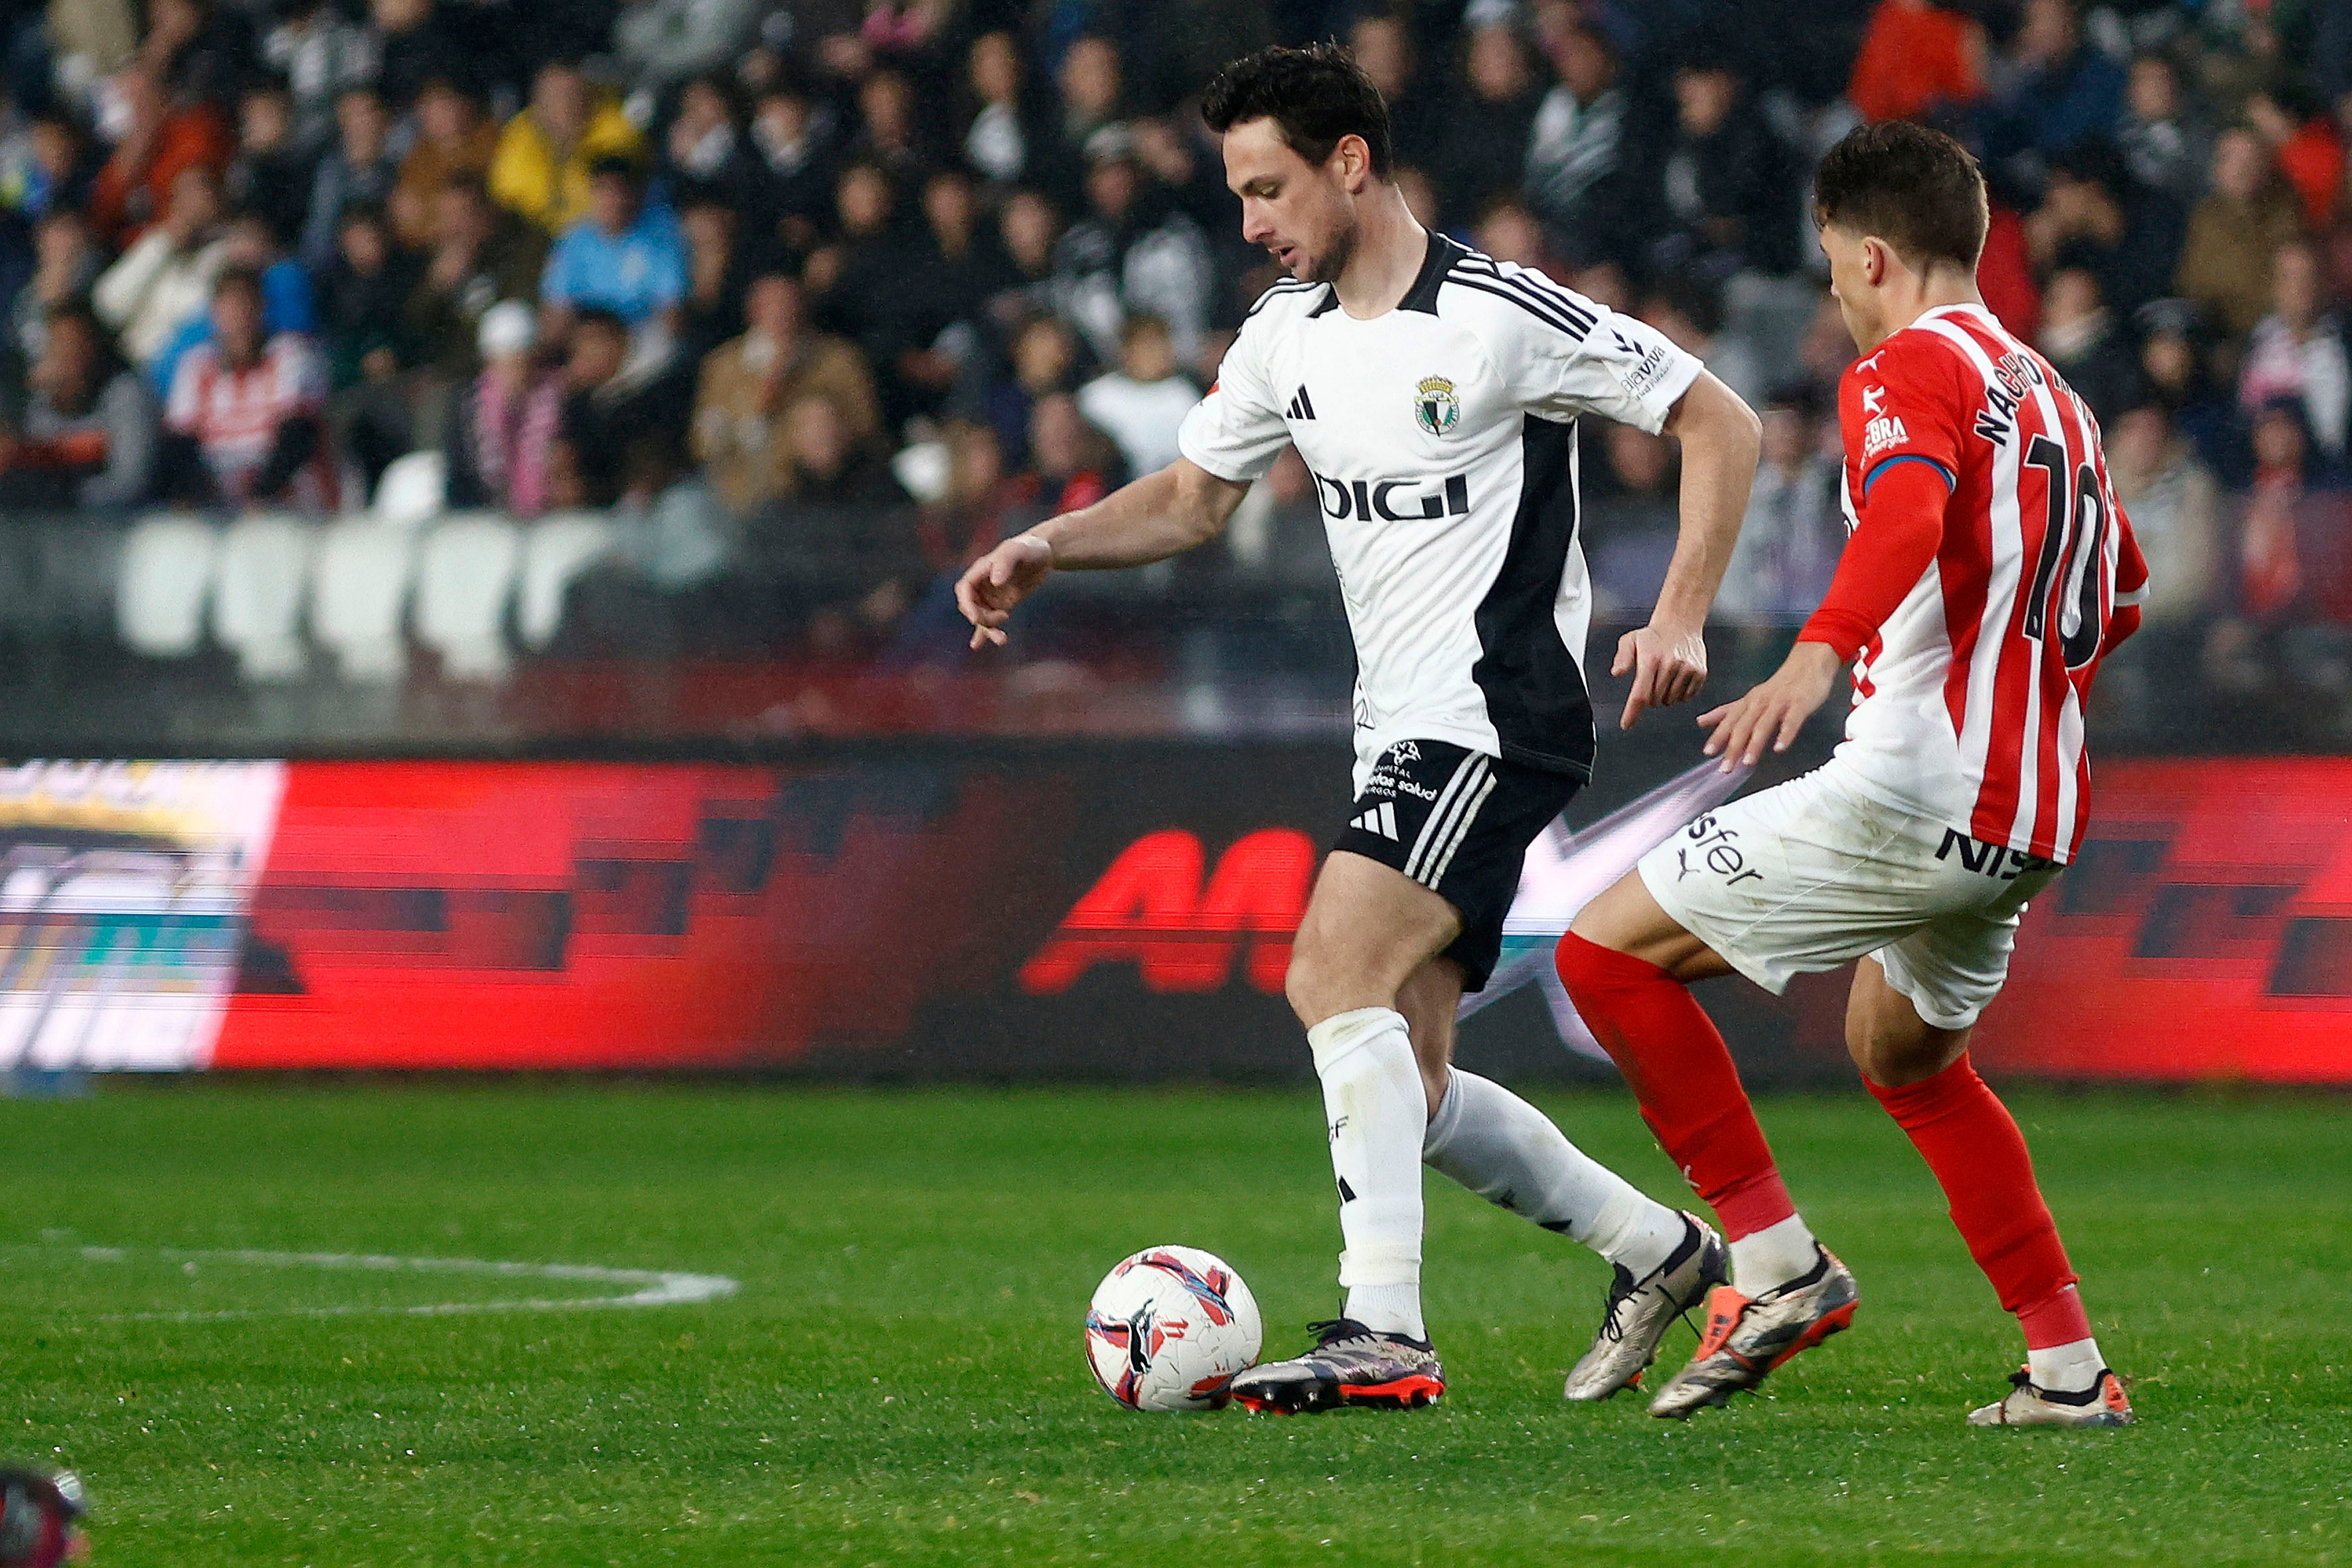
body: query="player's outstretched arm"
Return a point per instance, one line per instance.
(1721, 438)
(1901, 528)
(1773, 713)
(1158, 516)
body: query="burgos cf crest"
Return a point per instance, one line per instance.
(1435, 407)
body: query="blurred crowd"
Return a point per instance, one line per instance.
(822, 297)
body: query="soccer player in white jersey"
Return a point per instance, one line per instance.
(1433, 393)
(1989, 572)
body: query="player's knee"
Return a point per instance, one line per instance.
(1594, 925)
(1894, 1057)
(1578, 958)
(1625, 921)
(1299, 988)
(1324, 981)
(1592, 969)
(1865, 1046)
(1309, 985)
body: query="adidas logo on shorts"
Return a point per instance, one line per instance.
(1380, 820)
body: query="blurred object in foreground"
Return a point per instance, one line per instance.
(39, 1518)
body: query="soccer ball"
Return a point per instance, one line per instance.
(1170, 1328)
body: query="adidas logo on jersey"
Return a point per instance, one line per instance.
(1301, 407)
(1380, 820)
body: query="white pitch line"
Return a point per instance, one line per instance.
(655, 1287)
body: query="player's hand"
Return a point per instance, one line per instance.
(999, 579)
(1668, 665)
(1773, 713)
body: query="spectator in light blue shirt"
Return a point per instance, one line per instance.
(624, 256)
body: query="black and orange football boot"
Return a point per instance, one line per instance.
(1350, 1365)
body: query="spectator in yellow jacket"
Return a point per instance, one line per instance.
(540, 168)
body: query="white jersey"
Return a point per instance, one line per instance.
(1442, 437)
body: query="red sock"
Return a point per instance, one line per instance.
(1668, 1049)
(1971, 1142)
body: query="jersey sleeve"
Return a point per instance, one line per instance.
(1564, 354)
(1897, 531)
(1237, 430)
(2131, 566)
(1902, 405)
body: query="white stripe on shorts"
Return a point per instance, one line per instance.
(1429, 825)
(1436, 832)
(1463, 832)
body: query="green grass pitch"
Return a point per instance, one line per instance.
(900, 1378)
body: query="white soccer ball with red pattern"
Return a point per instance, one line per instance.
(1170, 1328)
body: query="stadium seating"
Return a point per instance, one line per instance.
(465, 580)
(359, 597)
(263, 571)
(168, 564)
(557, 550)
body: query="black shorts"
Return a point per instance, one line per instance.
(1459, 823)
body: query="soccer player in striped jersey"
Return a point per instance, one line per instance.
(1988, 571)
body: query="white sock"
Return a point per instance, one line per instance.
(1768, 1259)
(1377, 1113)
(1510, 1153)
(1391, 1308)
(2066, 1368)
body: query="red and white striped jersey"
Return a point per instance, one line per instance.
(234, 414)
(1969, 702)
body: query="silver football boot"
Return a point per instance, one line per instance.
(2104, 1404)
(1639, 1312)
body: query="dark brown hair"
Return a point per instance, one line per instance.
(1917, 189)
(1315, 95)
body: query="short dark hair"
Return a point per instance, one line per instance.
(1315, 95)
(1917, 189)
(237, 280)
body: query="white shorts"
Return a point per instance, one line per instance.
(1812, 873)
